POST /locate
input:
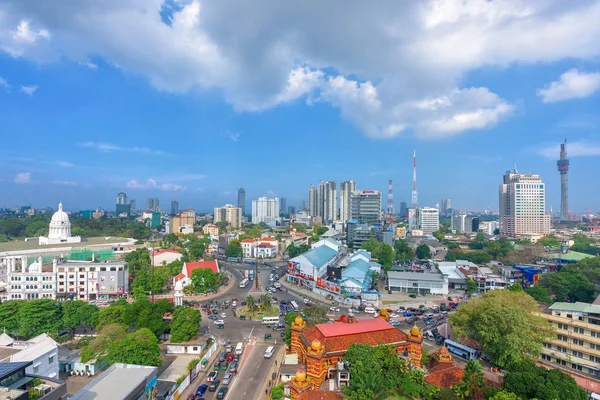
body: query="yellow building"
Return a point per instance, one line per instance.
(577, 342)
(184, 219)
(401, 232)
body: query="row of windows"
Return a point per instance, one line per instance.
(31, 278)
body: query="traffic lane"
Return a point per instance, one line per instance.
(254, 373)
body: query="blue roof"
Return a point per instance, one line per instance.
(363, 285)
(320, 256)
(358, 269)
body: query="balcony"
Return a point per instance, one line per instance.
(571, 358)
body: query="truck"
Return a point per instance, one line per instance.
(251, 275)
(246, 273)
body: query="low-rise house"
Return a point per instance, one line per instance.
(41, 351)
(15, 383)
(188, 268)
(163, 257)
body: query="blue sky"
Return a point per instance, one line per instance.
(193, 101)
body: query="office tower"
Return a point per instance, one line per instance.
(132, 205)
(522, 205)
(320, 211)
(283, 205)
(365, 206)
(563, 168)
(122, 209)
(445, 207)
(230, 214)
(121, 199)
(459, 223)
(330, 202)
(174, 207)
(312, 201)
(346, 189)
(291, 210)
(403, 209)
(303, 206)
(429, 220)
(242, 200)
(472, 224)
(152, 204)
(265, 210)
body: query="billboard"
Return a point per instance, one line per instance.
(329, 286)
(296, 268)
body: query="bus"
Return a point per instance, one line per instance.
(270, 320)
(461, 350)
(294, 305)
(244, 283)
(239, 349)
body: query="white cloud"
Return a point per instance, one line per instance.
(89, 65)
(29, 90)
(65, 164)
(234, 136)
(23, 177)
(153, 184)
(572, 84)
(110, 147)
(381, 66)
(65, 183)
(4, 83)
(580, 148)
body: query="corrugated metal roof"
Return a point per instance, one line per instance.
(320, 256)
(576, 307)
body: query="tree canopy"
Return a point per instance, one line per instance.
(185, 324)
(234, 249)
(423, 252)
(403, 251)
(567, 286)
(294, 251)
(504, 323)
(204, 280)
(139, 347)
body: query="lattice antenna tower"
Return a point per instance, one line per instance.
(391, 213)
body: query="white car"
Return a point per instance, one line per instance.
(219, 322)
(223, 315)
(306, 301)
(334, 309)
(353, 311)
(394, 315)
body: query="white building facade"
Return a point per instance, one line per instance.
(265, 210)
(365, 206)
(522, 205)
(29, 282)
(346, 189)
(429, 220)
(92, 281)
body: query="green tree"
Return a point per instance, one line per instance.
(137, 260)
(403, 251)
(289, 320)
(473, 384)
(145, 314)
(234, 249)
(9, 315)
(439, 235)
(493, 248)
(315, 314)
(423, 252)
(480, 237)
(39, 316)
(294, 251)
(565, 286)
(471, 286)
(515, 287)
(185, 324)
(550, 241)
(539, 293)
(503, 395)
(98, 347)
(196, 249)
(204, 280)
(265, 302)
(529, 381)
(251, 303)
(387, 256)
(139, 347)
(505, 323)
(79, 312)
(115, 314)
(373, 246)
(588, 267)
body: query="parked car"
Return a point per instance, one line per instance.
(401, 309)
(227, 378)
(334, 309)
(213, 317)
(394, 322)
(219, 322)
(223, 315)
(408, 314)
(306, 301)
(233, 368)
(230, 357)
(412, 295)
(394, 315)
(201, 389)
(228, 348)
(353, 311)
(212, 376)
(222, 393)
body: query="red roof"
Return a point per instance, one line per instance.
(179, 277)
(248, 241)
(320, 395)
(212, 264)
(267, 239)
(266, 246)
(361, 326)
(341, 335)
(444, 375)
(163, 251)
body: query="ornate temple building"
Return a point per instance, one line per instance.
(320, 347)
(59, 230)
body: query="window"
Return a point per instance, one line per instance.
(578, 330)
(36, 369)
(577, 354)
(578, 342)
(562, 337)
(51, 359)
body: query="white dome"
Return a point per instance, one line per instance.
(60, 217)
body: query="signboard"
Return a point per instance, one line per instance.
(151, 391)
(329, 286)
(370, 296)
(295, 268)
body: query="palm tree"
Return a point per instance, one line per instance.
(251, 303)
(265, 301)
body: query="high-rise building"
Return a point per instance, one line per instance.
(459, 223)
(174, 207)
(320, 210)
(346, 189)
(152, 204)
(563, 168)
(412, 215)
(132, 205)
(122, 209)
(291, 210)
(330, 202)
(312, 201)
(230, 214)
(403, 209)
(283, 205)
(185, 220)
(121, 199)
(429, 220)
(265, 210)
(472, 224)
(522, 199)
(242, 200)
(445, 207)
(365, 206)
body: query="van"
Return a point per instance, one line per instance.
(429, 335)
(269, 352)
(222, 356)
(239, 349)
(428, 315)
(444, 313)
(270, 320)
(370, 310)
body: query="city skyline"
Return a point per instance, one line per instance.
(86, 115)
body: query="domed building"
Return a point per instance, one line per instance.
(59, 230)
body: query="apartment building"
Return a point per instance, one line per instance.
(184, 221)
(230, 214)
(92, 281)
(577, 342)
(29, 281)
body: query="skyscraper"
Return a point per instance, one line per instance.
(242, 200)
(365, 206)
(132, 205)
(152, 204)
(312, 201)
(403, 209)
(265, 210)
(230, 214)
(174, 207)
(330, 202)
(283, 205)
(429, 220)
(122, 209)
(445, 207)
(346, 189)
(320, 211)
(121, 198)
(522, 205)
(563, 168)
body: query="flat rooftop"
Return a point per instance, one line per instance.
(116, 383)
(85, 242)
(416, 276)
